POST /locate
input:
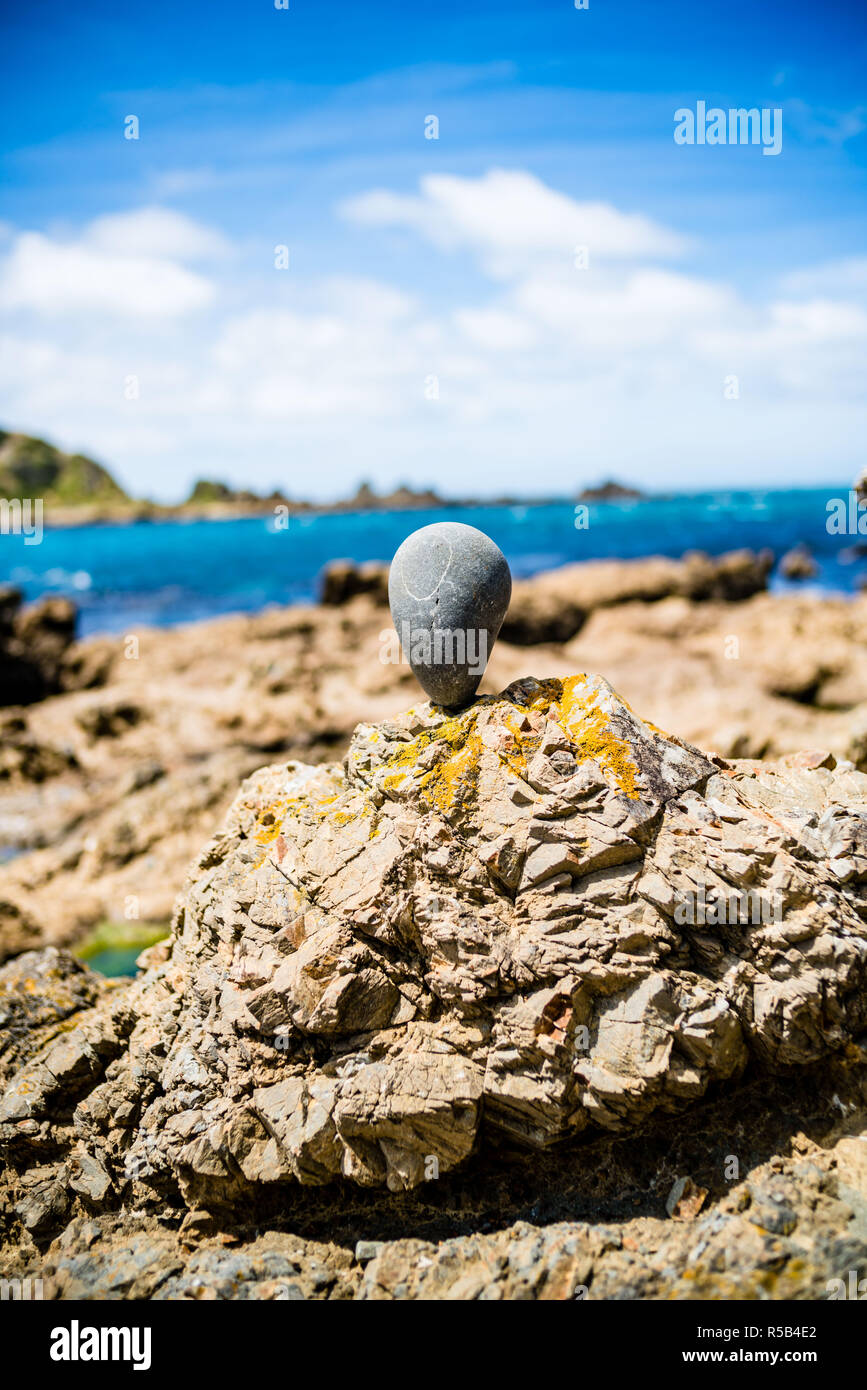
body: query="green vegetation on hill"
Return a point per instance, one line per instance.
(206, 490)
(75, 489)
(32, 468)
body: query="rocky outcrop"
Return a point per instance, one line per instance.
(554, 606)
(31, 468)
(494, 930)
(33, 644)
(789, 1228)
(111, 786)
(39, 992)
(798, 563)
(540, 927)
(343, 580)
(611, 491)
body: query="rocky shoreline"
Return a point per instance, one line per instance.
(109, 787)
(428, 1027)
(608, 1218)
(431, 1022)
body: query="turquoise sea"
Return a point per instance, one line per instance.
(173, 572)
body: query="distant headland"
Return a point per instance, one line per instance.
(77, 491)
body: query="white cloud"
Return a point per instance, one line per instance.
(820, 320)
(619, 312)
(509, 215)
(124, 265)
(155, 232)
(498, 330)
(365, 299)
(546, 375)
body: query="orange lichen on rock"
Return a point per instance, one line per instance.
(588, 725)
(444, 779)
(271, 819)
(269, 822)
(444, 784)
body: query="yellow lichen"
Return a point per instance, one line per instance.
(347, 816)
(444, 784)
(579, 711)
(268, 822)
(270, 819)
(442, 762)
(588, 726)
(523, 743)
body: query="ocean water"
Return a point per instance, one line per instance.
(164, 573)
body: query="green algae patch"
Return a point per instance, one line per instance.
(112, 948)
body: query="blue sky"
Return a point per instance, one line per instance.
(432, 323)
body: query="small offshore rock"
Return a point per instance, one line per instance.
(343, 580)
(798, 563)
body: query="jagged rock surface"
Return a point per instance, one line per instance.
(467, 935)
(111, 790)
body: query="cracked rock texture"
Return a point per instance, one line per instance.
(108, 791)
(472, 941)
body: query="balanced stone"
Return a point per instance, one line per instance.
(449, 589)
